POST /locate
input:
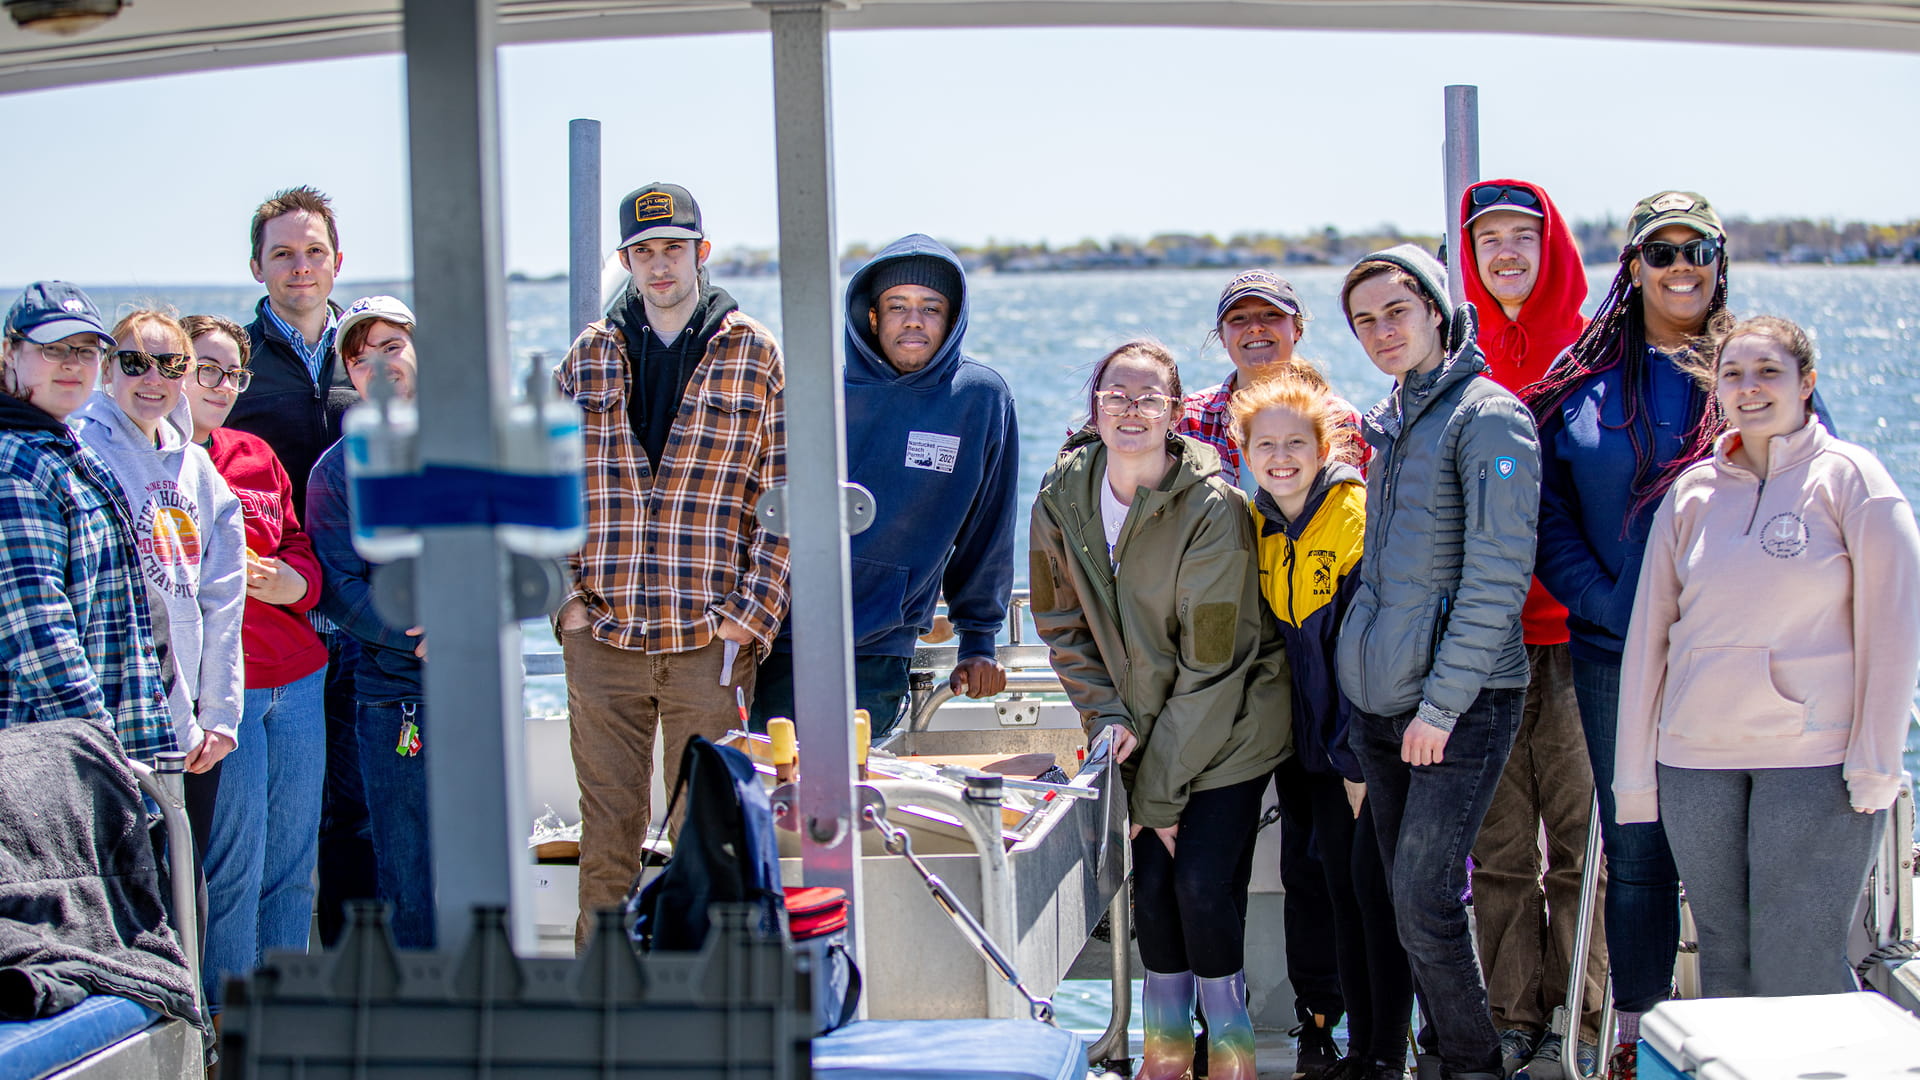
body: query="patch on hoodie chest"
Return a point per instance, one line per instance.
(933, 451)
(1784, 536)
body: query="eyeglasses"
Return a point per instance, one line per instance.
(1660, 254)
(1149, 406)
(135, 363)
(59, 352)
(1505, 193)
(211, 375)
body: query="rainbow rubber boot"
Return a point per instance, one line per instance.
(1229, 1028)
(1166, 1014)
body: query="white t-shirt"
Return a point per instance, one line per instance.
(1113, 514)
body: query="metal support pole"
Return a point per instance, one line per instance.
(1461, 166)
(472, 738)
(583, 225)
(816, 450)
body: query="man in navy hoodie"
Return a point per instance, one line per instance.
(932, 435)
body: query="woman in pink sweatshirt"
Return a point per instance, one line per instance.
(1769, 673)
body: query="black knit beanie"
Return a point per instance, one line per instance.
(934, 273)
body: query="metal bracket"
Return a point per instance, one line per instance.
(1018, 712)
(857, 509)
(536, 586)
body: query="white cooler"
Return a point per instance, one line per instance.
(1825, 1036)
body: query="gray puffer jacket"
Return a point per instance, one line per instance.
(1453, 496)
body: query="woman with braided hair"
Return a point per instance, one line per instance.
(1620, 418)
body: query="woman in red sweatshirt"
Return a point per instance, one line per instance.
(269, 803)
(1769, 673)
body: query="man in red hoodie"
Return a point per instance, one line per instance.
(1527, 282)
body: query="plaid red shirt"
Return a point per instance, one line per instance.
(668, 555)
(1204, 415)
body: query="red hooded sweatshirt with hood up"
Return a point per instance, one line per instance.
(1519, 351)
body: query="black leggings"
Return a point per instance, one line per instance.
(1190, 910)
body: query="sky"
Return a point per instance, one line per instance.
(970, 135)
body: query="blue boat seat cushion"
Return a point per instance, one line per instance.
(34, 1048)
(943, 1049)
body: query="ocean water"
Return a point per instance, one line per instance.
(1043, 333)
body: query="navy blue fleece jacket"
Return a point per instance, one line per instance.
(940, 451)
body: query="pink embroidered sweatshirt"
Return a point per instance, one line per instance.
(1777, 623)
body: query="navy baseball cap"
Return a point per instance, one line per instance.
(665, 210)
(49, 311)
(1264, 284)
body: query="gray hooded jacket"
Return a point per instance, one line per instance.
(192, 540)
(1453, 496)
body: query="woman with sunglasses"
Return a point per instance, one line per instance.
(1619, 419)
(187, 529)
(267, 821)
(1772, 742)
(76, 640)
(1146, 591)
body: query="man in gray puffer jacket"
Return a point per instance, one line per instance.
(1430, 653)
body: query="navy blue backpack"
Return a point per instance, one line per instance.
(724, 853)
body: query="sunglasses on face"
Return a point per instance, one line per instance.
(211, 375)
(1505, 193)
(1149, 406)
(135, 363)
(1660, 254)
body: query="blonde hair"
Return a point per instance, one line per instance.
(130, 324)
(1304, 397)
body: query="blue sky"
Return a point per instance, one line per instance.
(971, 135)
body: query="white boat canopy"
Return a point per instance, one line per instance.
(157, 37)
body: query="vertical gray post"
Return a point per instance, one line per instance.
(473, 731)
(1461, 166)
(583, 225)
(816, 448)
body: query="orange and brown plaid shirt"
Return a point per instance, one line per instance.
(668, 554)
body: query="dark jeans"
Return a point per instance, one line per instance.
(346, 836)
(1306, 907)
(1643, 887)
(402, 835)
(1189, 908)
(1428, 818)
(1375, 977)
(879, 686)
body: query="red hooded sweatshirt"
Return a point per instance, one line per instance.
(280, 646)
(1519, 351)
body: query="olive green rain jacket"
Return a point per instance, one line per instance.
(1175, 643)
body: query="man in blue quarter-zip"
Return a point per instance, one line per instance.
(932, 435)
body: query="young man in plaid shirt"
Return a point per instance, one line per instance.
(677, 589)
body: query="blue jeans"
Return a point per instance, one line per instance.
(879, 686)
(266, 828)
(1643, 886)
(1427, 819)
(397, 803)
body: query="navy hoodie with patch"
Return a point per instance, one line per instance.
(940, 451)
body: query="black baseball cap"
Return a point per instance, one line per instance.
(659, 210)
(1264, 284)
(48, 311)
(1485, 198)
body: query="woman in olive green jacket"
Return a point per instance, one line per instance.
(1145, 588)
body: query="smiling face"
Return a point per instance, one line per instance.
(389, 347)
(1761, 388)
(666, 271)
(1507, 253)
(148, 397)
(1674, 300)
(297, 263)
(211, 405)
(1135, 376)
(55, 387)
(1256, 333)
(1283, 450)
(1397, 327)
(910, 322)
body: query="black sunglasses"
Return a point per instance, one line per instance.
(1660, 254)
(1505, 193)
(135, 363)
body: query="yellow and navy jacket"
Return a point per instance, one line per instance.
(1307, 574)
